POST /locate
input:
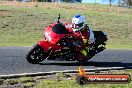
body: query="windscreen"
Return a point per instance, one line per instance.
(60, 29)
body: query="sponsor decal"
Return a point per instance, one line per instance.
(83, 78)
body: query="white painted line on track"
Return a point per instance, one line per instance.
(54, 72)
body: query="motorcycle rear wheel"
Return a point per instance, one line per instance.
(85, 59)
(36, 55)
(81, 58)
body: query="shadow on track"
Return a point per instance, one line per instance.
(90, 63)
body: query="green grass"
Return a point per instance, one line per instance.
(26, 82)
(73, 84)
(50, 83)
(22, 24)
(63, 80)
(10, 82)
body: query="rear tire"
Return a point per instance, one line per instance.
(81, 58)
(36, 55)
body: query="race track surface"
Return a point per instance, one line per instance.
(12, 61)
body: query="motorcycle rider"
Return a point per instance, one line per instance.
(83, 33)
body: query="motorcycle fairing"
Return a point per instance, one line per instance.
(55, 32)
(44, 44)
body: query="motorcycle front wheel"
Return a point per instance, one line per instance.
(36, 55)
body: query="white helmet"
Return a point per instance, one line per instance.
(78, 22)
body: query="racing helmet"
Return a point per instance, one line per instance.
(78, 23)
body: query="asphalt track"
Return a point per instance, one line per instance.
(12, 61)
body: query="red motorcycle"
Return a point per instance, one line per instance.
(59, 43)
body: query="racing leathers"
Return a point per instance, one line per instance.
(84, 39)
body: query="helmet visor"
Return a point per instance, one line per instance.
(77, 26)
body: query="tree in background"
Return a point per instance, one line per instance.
(79, 1)
(67, 0)
(110, 1)
(95, 2)
(119, 2)
(44, 0)
(127, 3)
(72, 1)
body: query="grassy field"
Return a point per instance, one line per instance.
(22, 24)
(61, 80)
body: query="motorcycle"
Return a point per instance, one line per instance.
(58, 42)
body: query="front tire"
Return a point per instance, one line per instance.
(36, 55)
